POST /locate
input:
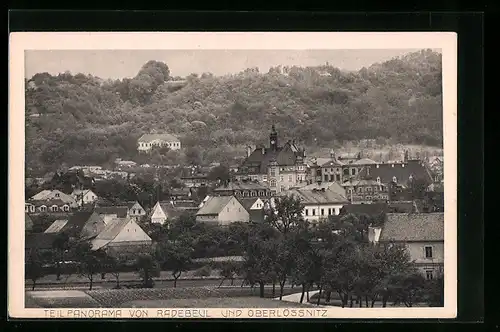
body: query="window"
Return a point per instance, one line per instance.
(281, 178)
(322, 212)
(290, 178)
(273, 183)
(346, 172)
(54, 208)
(282, 188)
(252, 193)
(32, 208)
(394, 179)
(428, 252)
(337, 177)
(369, 189)
(353, 171)
(378, 179)
(239, 209)
(337, 211)
(314, 212)
(326, 178)
(43, 208)
(368, 198)
(329, 211)
(307, 212)
(273, 171)
(57, 194)
(360, 189)
(429, 274)
(26, 208)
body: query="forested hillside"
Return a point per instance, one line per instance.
(87, 120)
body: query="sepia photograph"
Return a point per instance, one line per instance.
(232, 175)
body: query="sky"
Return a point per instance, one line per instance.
(119, 64)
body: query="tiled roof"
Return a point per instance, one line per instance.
(39, 240)
(130, 204)
(77, 222)
(41, 195)
(112, 229)
(370, 209)
(324, 193)
(363, 182)
(413, 227)
(284, 156)
(247, 202)
(48, 202)
(56, 226)
(120, 211)
(214, 205)
(364, 161)
(164, 137)
(402, 172)
(400, 206)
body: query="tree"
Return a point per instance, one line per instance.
(219, 173)
(286, 214)
(407, 288)
(113, 266)
(434, 291)
(34, 267)
(229, 270)
(91, 261)
(61, 244)
(147, 267)
(176, 256)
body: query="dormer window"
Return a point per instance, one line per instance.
(57, 195)
(378, 178)
(394, 179)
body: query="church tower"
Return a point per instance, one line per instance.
(273, 139)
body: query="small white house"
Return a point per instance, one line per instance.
(222, 210)
(148, 141)
(135, 209)
(84, 197)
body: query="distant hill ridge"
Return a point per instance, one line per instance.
(95, 120)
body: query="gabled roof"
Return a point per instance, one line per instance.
(248, 202)
(48, 202)
(41, 195)
(110, 232)
(364, 161)
(77, 221)
(163, 137)
(130, 204)
(120, 211)
(56, 226)
(324, 193)
(413, 227)
(214, 205)
(28, 222)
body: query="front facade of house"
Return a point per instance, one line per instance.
(320, 200)
(280, 168)
(122, 236)
(366, 191)
(421, 233)
(136, 210)
(159, 213)
(149, 141)
(84, 197)
(47, 195)
(222, 210)
(243, 188)
(46, 206)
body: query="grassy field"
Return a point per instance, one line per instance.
(214, 302)
(181, 297)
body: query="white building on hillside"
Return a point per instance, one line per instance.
(148, 141)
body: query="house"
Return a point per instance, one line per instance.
(180, 194)
(400, 175)
(164, 211)
(335, 168)
(278, 167)
(112, 212)
(135, 209)
(421, 233)
(83, 225)
(243, 188)
(149, 141)
(47, 206)
(320, 200)
(196, 180)
(252, 203)
(366, 191)
(56, 226)
(122, 237)
(46, 195)
(28, 223)
(222, 210)
(84, 197)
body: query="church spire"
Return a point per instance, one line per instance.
(273, 138)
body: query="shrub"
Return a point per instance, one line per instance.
(203, 271)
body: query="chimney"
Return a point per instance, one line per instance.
(374, 234)
(263, 150)
(249, 150)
